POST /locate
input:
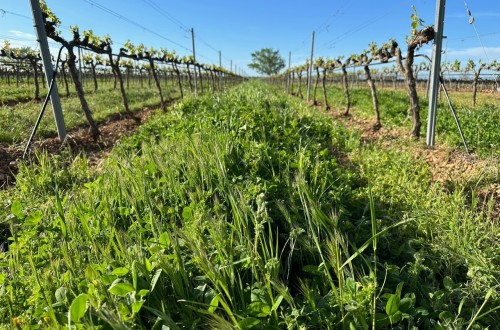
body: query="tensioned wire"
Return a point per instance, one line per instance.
(472, 22)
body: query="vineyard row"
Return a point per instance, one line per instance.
(153, 62)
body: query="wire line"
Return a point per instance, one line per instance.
(3, 12)
(181, 25)
(128, 20)
(472, 22)
(166, 14)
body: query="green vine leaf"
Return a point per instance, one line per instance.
(78, 308)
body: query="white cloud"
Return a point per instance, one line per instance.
(19, 39)
(23, 35)
(474, 53)
(22, 44)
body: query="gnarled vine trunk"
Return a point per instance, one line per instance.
(345, 86)
(93, 130)
(190, 78)
(201, 79)
(474, 87)
(325, 97)
(129, 71)
(179, 81)
(35, 78)
(420, 37)
(299, 91)
(373, 91)
(65, 78)
(411, 89)
(115, 66)
(213, 79)
(157, 81)
(315, 102)
(94, 75)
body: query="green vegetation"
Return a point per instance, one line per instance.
(14, 94)
(18, 119)
(478, 124)
(267, 61)
(248, 210)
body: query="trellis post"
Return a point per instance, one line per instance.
(49, 71)
(194, 60)
(435, 72)
(309, 70)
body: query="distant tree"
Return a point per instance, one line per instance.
(267, 61)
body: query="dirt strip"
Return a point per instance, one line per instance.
(112, 130)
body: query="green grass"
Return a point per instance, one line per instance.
(479, 124)
(18, 117)
(13, 94)
(240, 210)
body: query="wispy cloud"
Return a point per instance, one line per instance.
(19, 39)
(475, 53)
(22, 35)
(21, 44)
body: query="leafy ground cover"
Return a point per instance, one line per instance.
(479, 124)
(14, 94)
(18, 118)
(248, 210)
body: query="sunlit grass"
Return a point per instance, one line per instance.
(18, 114)
(246, 210)
(479, 124)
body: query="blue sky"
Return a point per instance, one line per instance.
(237, 28)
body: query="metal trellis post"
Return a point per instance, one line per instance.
(49, 71)
(435, 72)
(289, 81)
(309, 70)
(194, 60)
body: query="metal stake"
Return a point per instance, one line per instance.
(49, 71)
(435, 72)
